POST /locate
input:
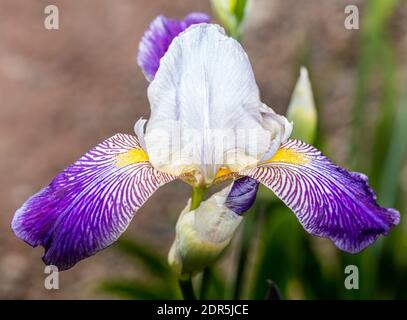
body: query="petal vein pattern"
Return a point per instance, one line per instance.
(328, 200)
(90, 204)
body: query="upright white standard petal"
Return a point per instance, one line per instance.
(206, 111)
(279, 127)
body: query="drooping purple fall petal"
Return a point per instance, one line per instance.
(88, 205)
(158, 38)
(242, 195)
(328, 200)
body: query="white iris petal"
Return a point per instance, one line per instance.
(279, 127)
(206, 111)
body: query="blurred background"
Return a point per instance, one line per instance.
(62, 92)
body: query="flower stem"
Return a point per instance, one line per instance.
(185, 283)
(206, 275)
(245, 244)
(187, 290)
(198, 194)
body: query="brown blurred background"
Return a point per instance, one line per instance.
(62, 92)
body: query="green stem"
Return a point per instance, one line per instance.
(206, 275)
(185, 283)
(187, 288)
(245, 243)
(198, 194)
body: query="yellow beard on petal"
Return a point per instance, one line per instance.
(194, 177)
(222, 172)
(131, 157)
(288, 155)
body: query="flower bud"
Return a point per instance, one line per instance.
(301, 109)
(202, 234)
(231, 14)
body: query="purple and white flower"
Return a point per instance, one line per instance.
(202, 85)
(158, 38)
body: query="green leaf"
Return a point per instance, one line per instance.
(374, 53)
(134, 289)
(146, 255)
(249, 225)
(394, 160)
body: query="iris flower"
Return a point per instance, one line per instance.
(207, 125)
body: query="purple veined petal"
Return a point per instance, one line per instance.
(158, 37)
(328, 200)
(242, 195)
(195, 18)
(90, 204)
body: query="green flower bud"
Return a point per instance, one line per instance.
(202, 234)
(231, 14)
(301, 109)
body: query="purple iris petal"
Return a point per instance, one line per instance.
(88, 205)
(158, 38)
(242, 195)
(328, 200)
